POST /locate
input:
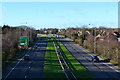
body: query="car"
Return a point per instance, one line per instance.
(27, 57)
(95, 58)
(35, 47)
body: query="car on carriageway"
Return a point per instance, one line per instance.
(27, 57)
(95, 58)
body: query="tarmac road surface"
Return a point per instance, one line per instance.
(34, 68)
(101, 70)
(29, 70)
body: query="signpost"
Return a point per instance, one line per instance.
(24, 41)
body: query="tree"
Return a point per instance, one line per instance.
(10, 39)
(75, 36)
(83, 37)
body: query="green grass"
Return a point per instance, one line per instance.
(52, 66)
(79, 70)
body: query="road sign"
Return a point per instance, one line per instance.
(24, 41)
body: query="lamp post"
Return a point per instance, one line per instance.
(94, 32)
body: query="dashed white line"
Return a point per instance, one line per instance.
(25, 77)
(103, 62)
(13, 68)
(108, 65)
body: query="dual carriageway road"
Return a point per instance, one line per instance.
(29, 70)
(100, 70)
(34, 69)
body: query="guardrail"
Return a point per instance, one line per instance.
(68, 73)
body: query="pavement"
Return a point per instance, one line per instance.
(101, 71)
(28, 70)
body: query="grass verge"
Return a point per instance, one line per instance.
(52, 67)
(78, 70)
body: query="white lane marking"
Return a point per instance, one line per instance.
(100, 58)
(103, 62)
(25, 77)
(30, 62)
(111, 67)
(14, 67)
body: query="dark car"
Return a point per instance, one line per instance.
(27, 57)
(35, 47)
(95, 58)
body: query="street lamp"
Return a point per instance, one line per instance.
(93, 26)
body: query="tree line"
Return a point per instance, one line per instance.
(104, 42)
(11, 38)
(101, 41)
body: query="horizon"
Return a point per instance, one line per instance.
(60, 14)
(63, 28)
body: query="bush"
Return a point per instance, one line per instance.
(89, 43)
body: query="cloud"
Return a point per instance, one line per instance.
(61, 16)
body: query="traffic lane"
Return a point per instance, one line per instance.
(22, 67)
(78, 53)
(97, 72)
(19, 72)
(37, 68)
(101, 66)
(8, 68)
(16, 68)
